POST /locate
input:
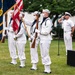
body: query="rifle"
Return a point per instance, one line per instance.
(3, 38)
(5, 32)
(34, 40)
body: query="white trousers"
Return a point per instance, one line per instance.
(21, 50)
(68, 41)
(44, 47)
(34, 53)
(12, 46)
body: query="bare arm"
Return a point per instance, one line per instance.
(72, 31)
(27, 22)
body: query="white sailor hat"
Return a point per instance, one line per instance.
(36, 13)
(67, 13)
(46, 10)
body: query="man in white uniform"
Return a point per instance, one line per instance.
(68, 27)
(20, 43)
(33, 51)
(45, 40)
(11, 41)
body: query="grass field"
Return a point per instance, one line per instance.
(59, 63)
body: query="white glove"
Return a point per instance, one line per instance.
(37, 31)
(15, 38)
(52, 34)
(6, 28)
(4, 34)
(11, 29)
(62, 17)
(38, 35)
(31, 38)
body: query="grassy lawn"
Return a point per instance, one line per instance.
(59, 63)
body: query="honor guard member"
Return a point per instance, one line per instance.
(33, 51)
(11, 41)
(45, 40)
(68, 27)
(20, 43)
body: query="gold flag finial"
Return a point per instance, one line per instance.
(1, 12)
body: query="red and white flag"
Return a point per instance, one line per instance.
(16, 20)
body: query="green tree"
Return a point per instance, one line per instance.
(55, 6)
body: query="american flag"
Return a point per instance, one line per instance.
(16, 20)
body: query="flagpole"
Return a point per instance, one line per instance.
(58, 40)
(58, 26)
(26, 28)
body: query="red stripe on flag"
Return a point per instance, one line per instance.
(16, 19)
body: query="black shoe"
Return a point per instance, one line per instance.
(13, 63)
(47, 72)
(21, 66)
(33, 69)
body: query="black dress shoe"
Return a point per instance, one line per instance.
(13, 63)
(33, 69)
(21, 66)
(47, 72)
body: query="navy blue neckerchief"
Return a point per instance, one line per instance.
(20, 25)
(10, 20)
(43, 20)
(33, 25)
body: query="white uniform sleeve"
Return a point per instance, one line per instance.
(21, 32)
(27, 22)
(72, 24)
(47, 28)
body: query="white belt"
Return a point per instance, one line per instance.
(66, 31)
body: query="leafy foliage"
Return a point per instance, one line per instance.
(56, 6)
